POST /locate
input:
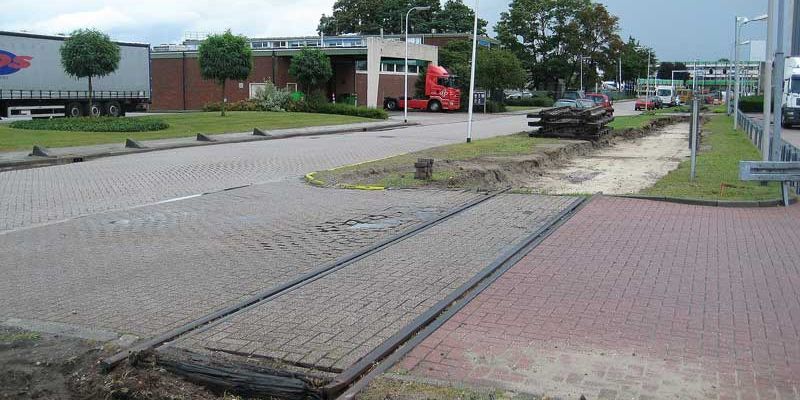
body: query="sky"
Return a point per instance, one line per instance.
(675, 29)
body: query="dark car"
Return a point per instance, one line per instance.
(645, 103)
(574, 94)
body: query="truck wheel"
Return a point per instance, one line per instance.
(391, 104)
(434, 106)
(95, 110)
(113, 109)
(74, 110)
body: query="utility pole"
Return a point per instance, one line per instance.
(472, 72)
(777, 96)
(765, 138)
(405, 70)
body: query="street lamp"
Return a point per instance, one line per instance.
(740, 22)
(582, 58)
(471, 102)
(405, 70)
(647, 85)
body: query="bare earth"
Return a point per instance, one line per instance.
(624, 168)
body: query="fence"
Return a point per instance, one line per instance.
(754, 129)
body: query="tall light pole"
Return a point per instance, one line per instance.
(768, 62)
(647, 85)
(472, 73)
(405, 70)
(583, 58)
(740, 22)
(777, 95)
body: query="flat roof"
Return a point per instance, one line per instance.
(331, 51)
(59, 37)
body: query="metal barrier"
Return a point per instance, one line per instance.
(755, 132)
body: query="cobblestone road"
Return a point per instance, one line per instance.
(633, 299)
(44, 195)
(149, 269)
(334, 321)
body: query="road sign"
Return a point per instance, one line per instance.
(479, 97)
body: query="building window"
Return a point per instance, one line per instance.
(361, 65)
(385, 67)
(292, 87)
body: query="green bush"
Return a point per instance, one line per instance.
(347, 109)
(97, 124)
(271, 98)
(751, 104)
(494, 106)
(241, 105)
(536, 101)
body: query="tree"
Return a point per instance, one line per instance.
(682, 76)
(311, 68)
(223, 57)
(370, 16)
(665, 70)
(496, 69)
(551, 36)
(634, 60)
(88, 53)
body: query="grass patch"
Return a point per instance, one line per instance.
(86, 124)
(521, 108)
(398, 171)
(717, 165)
(386, 388)
(12, 336)
(180, 125)
(633, 121)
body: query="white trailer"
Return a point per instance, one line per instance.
(791, 93)
(33, 82)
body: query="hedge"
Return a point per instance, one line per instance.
(536, 101)
(305, 106)
(751, 104)
(95, 124)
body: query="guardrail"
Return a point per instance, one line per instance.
(755, 132)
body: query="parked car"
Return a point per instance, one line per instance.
(565, 103)
(585, 103)
(645, 103)
(602, 100)
(659, 103)
(574, 94)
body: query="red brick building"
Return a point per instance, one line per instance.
(367, 67)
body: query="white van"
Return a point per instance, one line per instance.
(667, 95)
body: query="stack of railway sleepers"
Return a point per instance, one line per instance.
(571, 123)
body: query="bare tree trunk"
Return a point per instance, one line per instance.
(90, 97)
(223, 98)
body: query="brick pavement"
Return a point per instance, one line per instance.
(149, 269)
(45, 195)
(334, 321)
(633, 299)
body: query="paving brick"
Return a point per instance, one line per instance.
(639, 299)
(427, 266)
(147, 270)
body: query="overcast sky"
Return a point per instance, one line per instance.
(676, 29)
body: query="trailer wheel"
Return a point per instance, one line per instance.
(391, 104)
(113, 109)
(95, 110)
(74, 110)
(434, 106)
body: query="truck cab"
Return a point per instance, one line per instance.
(791, 93)
(441, 93)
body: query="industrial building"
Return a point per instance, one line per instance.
(365, 67)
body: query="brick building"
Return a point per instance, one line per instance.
(368, 67)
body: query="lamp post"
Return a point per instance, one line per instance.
(472, 73)
(405, 70)
(740, 22)
(582, 58)
(765, 150)
(647, 85)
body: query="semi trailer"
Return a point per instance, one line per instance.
(33, 82)
(791, 93)
(441, 94)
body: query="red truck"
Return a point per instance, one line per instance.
(441, 93)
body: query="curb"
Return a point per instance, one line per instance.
(712, 203)
(39, 162)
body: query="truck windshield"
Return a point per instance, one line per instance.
(664, 92)
(794, 86)
(448, 81)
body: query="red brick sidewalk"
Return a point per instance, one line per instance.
(637, 299)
